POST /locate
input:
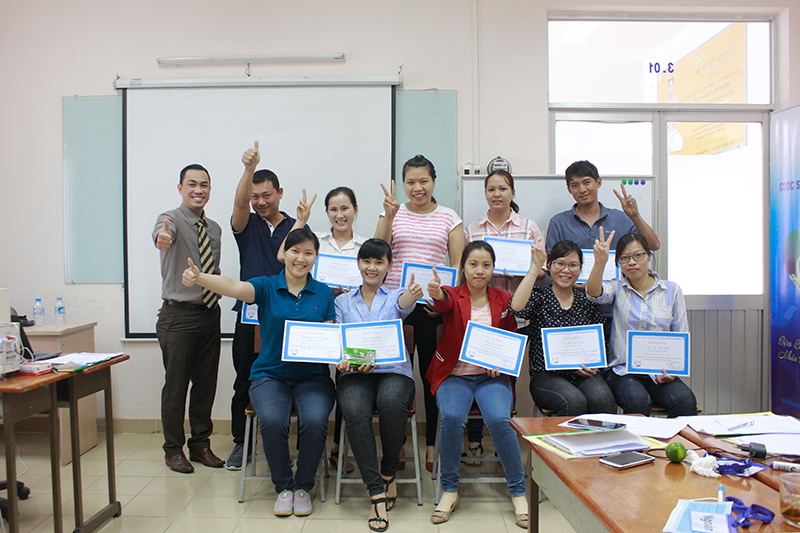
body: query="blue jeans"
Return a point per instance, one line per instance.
(637, 393)
(274, 400)
(359, 395)
(493, 395)
(587, 395)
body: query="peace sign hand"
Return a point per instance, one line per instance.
(304, 208)
(538, 254)
(602, 247)
(627, 202)
(390, 203)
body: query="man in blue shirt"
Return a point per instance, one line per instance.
(581, 224)
(259, 235)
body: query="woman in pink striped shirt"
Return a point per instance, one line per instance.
(421, 231)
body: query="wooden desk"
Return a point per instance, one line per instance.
(594, 498)
(22, 397)
(70, 338)
(80, 385)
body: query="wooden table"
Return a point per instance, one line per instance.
(80, 385)
(22, 397)
(595, 498)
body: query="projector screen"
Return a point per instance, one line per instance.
(315, 138)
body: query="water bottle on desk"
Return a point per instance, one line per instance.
(38, 313)
(61, 313)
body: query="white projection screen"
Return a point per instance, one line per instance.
(315, 138)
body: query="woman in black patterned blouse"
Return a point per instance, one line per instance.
(567, 392)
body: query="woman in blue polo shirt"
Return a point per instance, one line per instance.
(277, 385)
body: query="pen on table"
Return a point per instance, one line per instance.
(784, 466)
(721, 494)
(740, 426)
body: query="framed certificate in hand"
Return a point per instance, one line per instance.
(337, 271)
(611, 271)
(493, 348)
(651, 352)
(511, 255)
(423, 274)
(311, 342)
(570, 347)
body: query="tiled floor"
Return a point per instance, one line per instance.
(155, 499)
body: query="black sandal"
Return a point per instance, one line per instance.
(384, 522)
(390, 501)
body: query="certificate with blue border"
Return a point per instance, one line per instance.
(610, 272)
(424, 273)
(337, 271)
(492, 348)
(650, 352)
(385, 337)
(570, 347)
(249, 314)
(511, 255)
(311, 342)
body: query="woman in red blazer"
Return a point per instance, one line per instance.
(457, 384)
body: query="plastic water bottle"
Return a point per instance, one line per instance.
(61, 312)
(38, 313)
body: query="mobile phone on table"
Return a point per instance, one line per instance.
(621, 461)
(583, 422)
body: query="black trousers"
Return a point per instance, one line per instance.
(190, 340)
(425, 342)
(244, 355)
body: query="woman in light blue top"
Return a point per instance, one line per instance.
(389, 388)
(642, 301)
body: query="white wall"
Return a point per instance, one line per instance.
(50, 49)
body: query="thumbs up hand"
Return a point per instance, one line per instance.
(164, 238)
(435, 286)
(191, 274)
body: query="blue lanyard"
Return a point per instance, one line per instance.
(748, 513)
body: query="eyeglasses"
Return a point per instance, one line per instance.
(624, 259)
(561, 265)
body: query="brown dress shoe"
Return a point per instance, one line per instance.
(207, 457)
(178, 463)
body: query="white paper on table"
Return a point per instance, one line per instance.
(611, 271)
(423, 274)
(493, 348)
(511, 255)
(776, 443)
(82, 358)
(651, 352)
(658, 428)
(311, 342)
(386, 338)
(753, 424)
(337, 271)
(567, 348)
(597, 442)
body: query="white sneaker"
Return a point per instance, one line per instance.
(284, 504)
(302, 503)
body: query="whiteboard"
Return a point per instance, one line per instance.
(541, 197)
(315, 138)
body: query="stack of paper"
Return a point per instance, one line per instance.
(658, 428)
(776, 443)
(743, 424)
(76, 361)
(586, 443)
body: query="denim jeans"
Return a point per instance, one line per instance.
(274, 400)
(587, 395)
(493, 395)
(359, 395)
(637, 393)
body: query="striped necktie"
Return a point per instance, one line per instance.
(206, 261)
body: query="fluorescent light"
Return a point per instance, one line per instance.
(287, 81)
(243, 60)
